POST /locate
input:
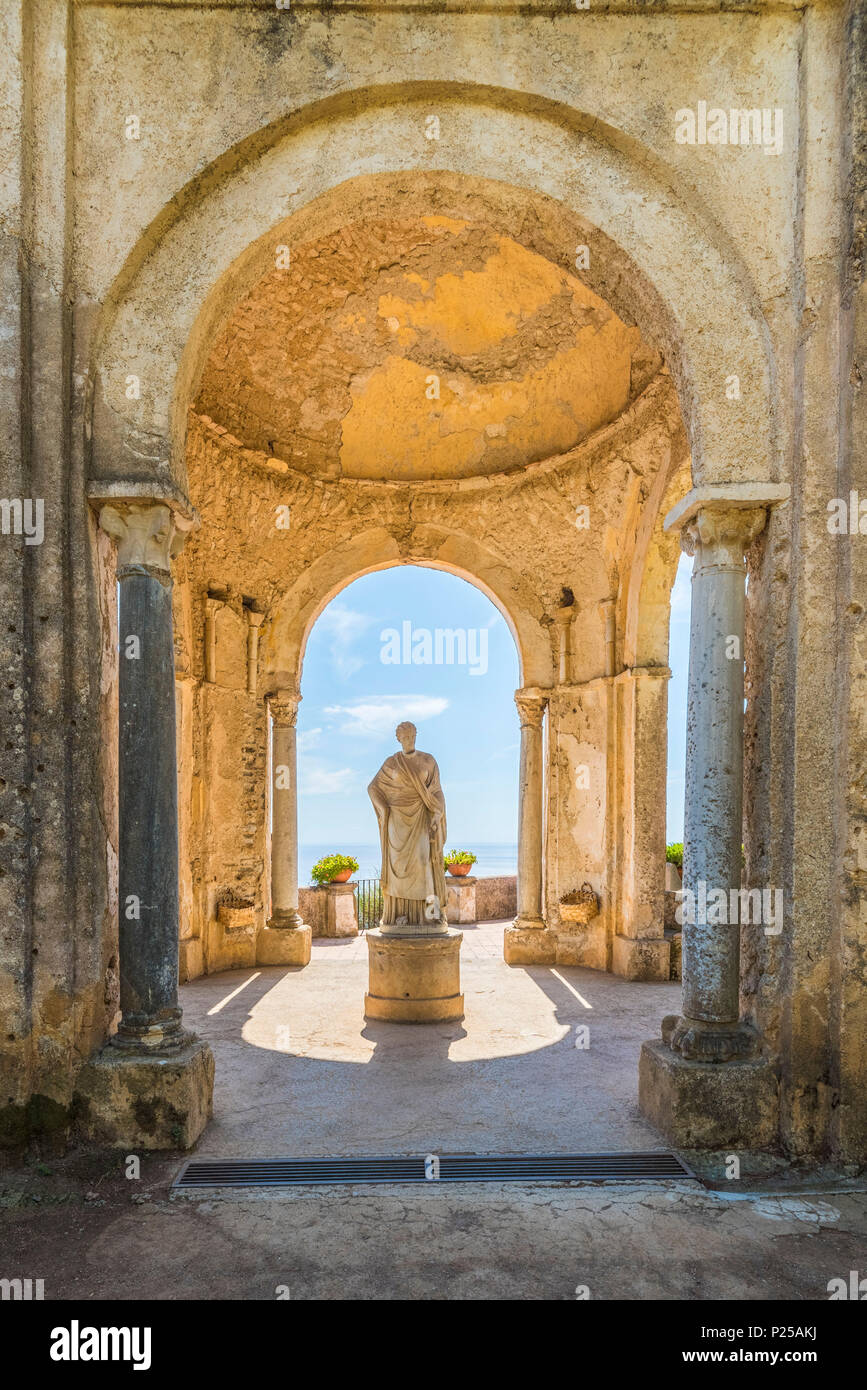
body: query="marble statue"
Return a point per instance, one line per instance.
(411, 811)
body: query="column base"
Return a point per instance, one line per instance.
(583, 943)
(641, 958)
(529, 943)
(164, 1035)
(698, 1040)
(284, 942)
(286, 920)
(134, 1100)
(414, 979)
(701, 1105)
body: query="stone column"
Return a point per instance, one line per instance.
(712, 1105)
(528, 941)
(286, 939)
(152, 1086)
(531, 711)
(147, 537)
(710, 1029)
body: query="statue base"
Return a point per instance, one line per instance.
(414, 979)
(416, 929)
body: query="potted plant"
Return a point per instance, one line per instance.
(458, 862)
(673, 867)
(334, 868)
(674, 855)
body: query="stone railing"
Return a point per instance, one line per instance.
(481, 899)
(331, 911)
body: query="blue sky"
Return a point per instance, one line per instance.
(357, 686)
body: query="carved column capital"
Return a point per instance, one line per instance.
(719, 521)
(720, 536)
(283, 705)
(148, 534)
(531, 706)
(254, 618)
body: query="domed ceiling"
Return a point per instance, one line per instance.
(421, 349)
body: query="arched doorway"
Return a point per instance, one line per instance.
(420, 644)
(563, 451)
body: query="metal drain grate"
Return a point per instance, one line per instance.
(293, 1172)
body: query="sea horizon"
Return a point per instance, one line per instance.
(493, 859)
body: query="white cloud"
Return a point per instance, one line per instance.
(311, 738)
(378, 715)
(506, 752)
(321, 781)
(344, 625)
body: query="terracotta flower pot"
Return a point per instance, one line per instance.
(459, 870)
(343, 877)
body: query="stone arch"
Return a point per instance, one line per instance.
(675, 270)
(286, 634)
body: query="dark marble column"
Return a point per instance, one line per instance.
(147, 536)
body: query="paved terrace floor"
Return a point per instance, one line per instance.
(300, 1071)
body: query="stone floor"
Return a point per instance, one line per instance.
(301, 1072)
(91, 1234)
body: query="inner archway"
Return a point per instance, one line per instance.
(409, 643)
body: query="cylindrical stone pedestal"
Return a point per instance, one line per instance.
(414, 979)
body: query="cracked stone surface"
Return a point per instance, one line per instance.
(499, 1241)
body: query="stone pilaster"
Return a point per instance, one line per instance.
(564, 618)
(212, 608)
(254, 622)
(640, 950)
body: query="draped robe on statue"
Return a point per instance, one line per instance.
(406, 795)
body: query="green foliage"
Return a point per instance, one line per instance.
(330, 866)
(674, 855)
(459, 856)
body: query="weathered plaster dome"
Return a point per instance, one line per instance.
(417, 349)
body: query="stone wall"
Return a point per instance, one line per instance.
(496, 899)
(313, 908)
(123, 259)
